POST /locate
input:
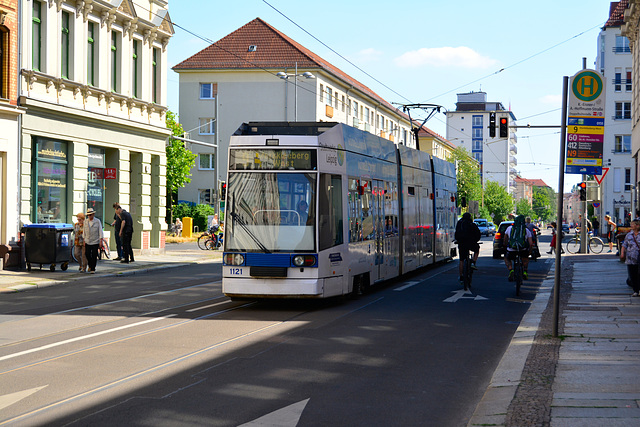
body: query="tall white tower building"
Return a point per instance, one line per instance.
(468, 126)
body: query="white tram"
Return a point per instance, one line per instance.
(315, 210)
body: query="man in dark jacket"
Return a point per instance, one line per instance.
(126, 233)
(467, 235)
(116, 224)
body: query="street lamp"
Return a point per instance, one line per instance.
(285, 76)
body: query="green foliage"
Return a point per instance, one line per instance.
(199, 213)
(497, 201)
(180, 160)
(523, 207)
(468, 175)
(545, 203)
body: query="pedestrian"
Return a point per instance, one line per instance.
(92, 233)
(596, 226)
(78, 243)
(554, 232)
(126, 233)
(611, 231)
(630, 253)
(116, 230)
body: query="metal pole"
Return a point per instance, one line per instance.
(295, 82)
(563, 139)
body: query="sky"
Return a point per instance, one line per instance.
(426, 51)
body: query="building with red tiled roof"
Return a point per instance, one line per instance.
(250, 75)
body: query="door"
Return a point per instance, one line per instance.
(378, 214)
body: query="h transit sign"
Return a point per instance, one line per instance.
(585, 124)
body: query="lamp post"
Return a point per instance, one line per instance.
(285, 76)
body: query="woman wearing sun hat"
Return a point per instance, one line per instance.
(92, 234)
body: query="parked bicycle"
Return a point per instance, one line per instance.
(211, 239)
(595, 245)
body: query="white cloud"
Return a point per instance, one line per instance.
(368, 55)
(461, 56)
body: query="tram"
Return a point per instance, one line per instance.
(315, 210)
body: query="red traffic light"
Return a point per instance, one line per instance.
(582, 185)
(503, 120)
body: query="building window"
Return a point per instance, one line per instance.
(4, 63)
(355, 109)
(627, 179)
(343, 103)
(366, 114)
(629, 86)
(65, 54)
(135, 64)
(478, 156)
(49, 176)
(476, 145)
(477, 121)
(114, 61)
(206, 161)
(206, 126)
(95, 180)
(329, 95)
(622, 45)
(208, 90)
(155, 71)
(321, 93)
(37, 36)
(623, 144)
(204, 196)
(476, 133)
(91, 57)
(623, 110)
(618, 82)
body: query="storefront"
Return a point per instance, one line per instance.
(50, 180)
(95, 181)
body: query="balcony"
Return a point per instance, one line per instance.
(621, 49)
(513, 149)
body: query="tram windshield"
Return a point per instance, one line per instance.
(270, 212)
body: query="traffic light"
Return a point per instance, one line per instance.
(582, 187)
(223, 190)
(504, 127)
(492, 124)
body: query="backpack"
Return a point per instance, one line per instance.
(518, 237)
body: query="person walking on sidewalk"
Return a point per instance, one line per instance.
(126, 233)
(611, 231)
(78, 242)
(116, 230)
(630, 253)
(554, 232)
(92, 234)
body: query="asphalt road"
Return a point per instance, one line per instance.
(167, 349)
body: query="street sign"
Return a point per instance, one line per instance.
(596, 205)
(585, 124)
(600, 178)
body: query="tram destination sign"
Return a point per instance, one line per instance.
(585, 125)
(272, 159)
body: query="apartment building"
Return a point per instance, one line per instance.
(257, 73)
(468, 126)
(9, 128)
(93, 82)
(614, 61)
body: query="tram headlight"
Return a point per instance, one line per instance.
(304, 260)
(233, 259)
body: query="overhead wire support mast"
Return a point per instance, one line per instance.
(406, 108)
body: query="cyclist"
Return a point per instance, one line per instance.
(518, 241)
(467, 235)
(535, 252)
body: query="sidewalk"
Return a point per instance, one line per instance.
(23, 280)
(595, 379)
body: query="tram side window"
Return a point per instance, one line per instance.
(330, 207)
(367, 212)
(355, 216)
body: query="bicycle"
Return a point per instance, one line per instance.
(467, 273)
(210, 239)
(518, 273)
(103, 249)
(595, 244)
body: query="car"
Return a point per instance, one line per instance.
(498, 247)
(483, 225)
(565, 228)
(492, 228)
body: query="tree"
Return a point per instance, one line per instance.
(180, 161)
(497, 201)
(544, 203)
(467, 173)
(523, 207)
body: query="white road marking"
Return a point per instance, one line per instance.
(407, 285)
(461, 295)
(206, 306)
(10, 399)
(83, 337)
(289, 416)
